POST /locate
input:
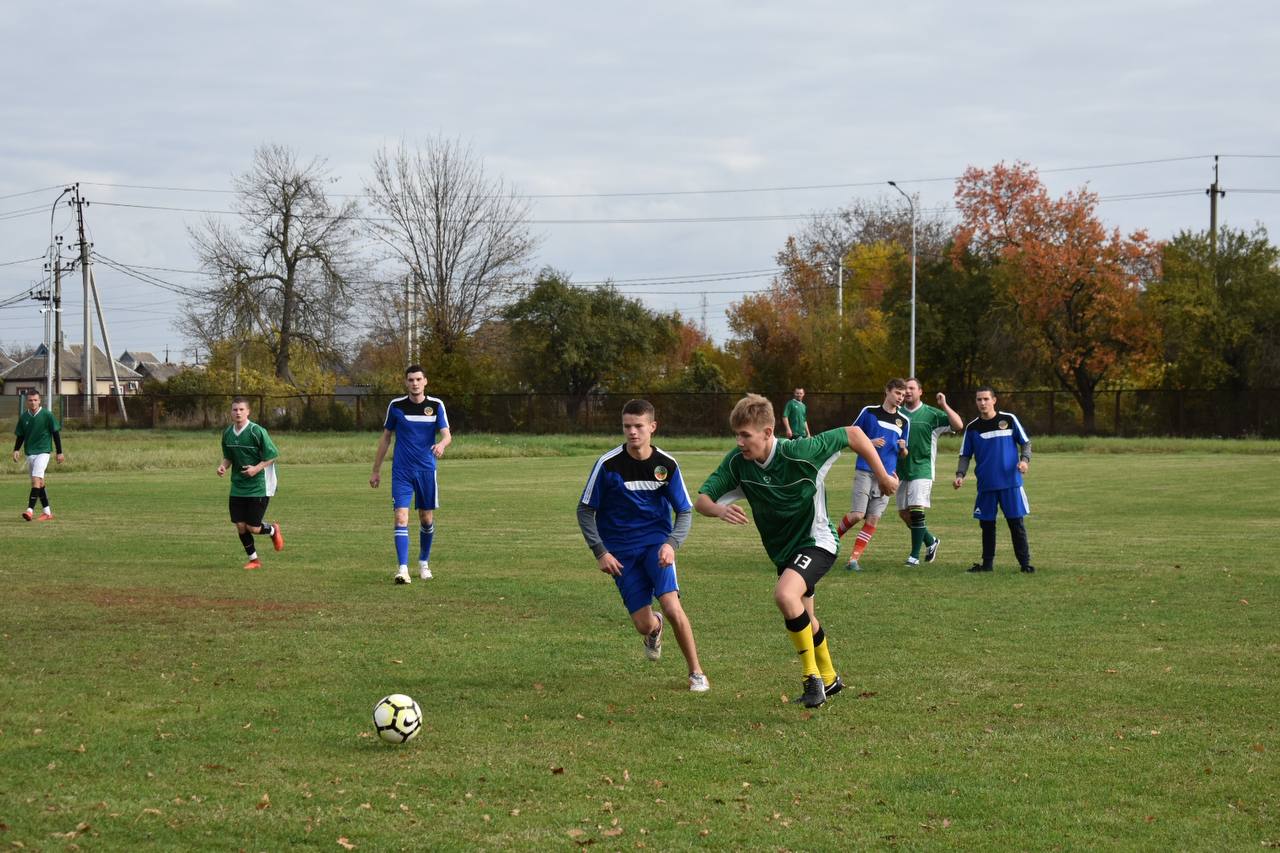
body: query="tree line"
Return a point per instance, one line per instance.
(439, 265)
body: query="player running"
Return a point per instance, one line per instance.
(250, 455)
(917, 469)
(889, 430)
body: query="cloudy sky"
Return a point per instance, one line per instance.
(604, 113)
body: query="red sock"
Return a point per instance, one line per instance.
(864, 536)
(845, 523)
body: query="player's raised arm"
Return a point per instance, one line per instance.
(953, 417)
(861, 445)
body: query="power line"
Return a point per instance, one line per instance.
(30, 192)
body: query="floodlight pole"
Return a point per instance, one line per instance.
(911, 369)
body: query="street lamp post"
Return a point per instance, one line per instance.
(911, 370)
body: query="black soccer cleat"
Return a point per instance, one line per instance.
(833, 688)
(978, 567)
(1028, 569)
(931, 551)
(814, 695)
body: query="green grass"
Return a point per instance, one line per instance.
(155, 696)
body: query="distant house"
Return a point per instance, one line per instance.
(150, 367)
(31, 374)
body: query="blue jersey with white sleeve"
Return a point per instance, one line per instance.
(634, 498)
(417, 427)
(893, 427)
(996, 444)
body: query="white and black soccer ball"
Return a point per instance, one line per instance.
(397, 718)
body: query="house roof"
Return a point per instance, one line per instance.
(160, 371)
(36, 367)
(5, 362)
(135, 357)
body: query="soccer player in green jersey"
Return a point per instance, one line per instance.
(795, 416)
(37, 429)
(927, 423)
(783, 481)
(250, 455)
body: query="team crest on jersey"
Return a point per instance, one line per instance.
(428, 411)
(660, 474)
(1003, 424)
(897, 422)
(765, 477)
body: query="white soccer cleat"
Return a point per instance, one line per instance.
(698, 682)
(653, 642)
(402, 575)
(423, 571)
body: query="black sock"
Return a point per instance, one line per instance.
(1021, 548)
(246, 539)
(988, 543)
(44, 497)
(31, 499)
(266, 529)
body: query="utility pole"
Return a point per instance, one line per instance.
(106, 345)
(57, 322)
(87, 389)
(1214, 194)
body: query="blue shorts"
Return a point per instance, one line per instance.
(1012, 502)
(419, 486)
(642, 579)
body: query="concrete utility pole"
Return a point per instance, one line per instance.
(87, 388)
(1214, 194)
(56, 355)
(106, 345)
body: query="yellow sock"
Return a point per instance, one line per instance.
(802, 639)
(822, 654)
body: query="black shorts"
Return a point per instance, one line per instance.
(810, 563)
(247, 510)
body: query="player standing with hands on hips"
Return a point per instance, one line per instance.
(421, 428)
(1002, 449)
(38, 429)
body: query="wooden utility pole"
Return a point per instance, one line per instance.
(87, 389)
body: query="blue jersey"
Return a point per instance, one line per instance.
(417, 427)
(634, 499)
(891, 426)
(996, 446)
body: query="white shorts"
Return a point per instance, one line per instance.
(36, 464)
(914, 493)
(866, 495)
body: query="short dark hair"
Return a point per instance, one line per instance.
(896, 384)
(240, 398)
(639, 407)
(981, 388)
(414, 368)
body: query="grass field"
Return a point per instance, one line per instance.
(155, 696)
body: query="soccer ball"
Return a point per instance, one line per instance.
(397, 718)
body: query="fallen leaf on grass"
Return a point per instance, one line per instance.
(1257, 747)
(1111, 671)
(264, 803)
(393, 660)
(345, 844)
(576, 833)
(556, 771)
(866, 694)
(1017, 705)
(612, 833)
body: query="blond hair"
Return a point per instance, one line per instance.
(752, 411)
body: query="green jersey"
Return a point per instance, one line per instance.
(927, 423)
(786, 492)
(794, 414)
(36, 431)
(250, 446)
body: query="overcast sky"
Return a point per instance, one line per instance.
(596, 99)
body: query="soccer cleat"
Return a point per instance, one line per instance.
(978, 567)
(1028, 569)
(698, 683)
(277, 536)
(833, 688)
(255, 563)
(912, 561)
(814, 694)
(45, 516)
(653, 642)
(931, 551)
(402, 575)
(852, 565)
(423, 571)
(27, 515)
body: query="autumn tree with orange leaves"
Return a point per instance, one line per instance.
(1075, 287)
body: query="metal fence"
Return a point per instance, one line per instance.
(1153, 412)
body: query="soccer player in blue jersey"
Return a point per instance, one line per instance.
(625, 516)
(1002, 450)
(889, 430)
(421, 428)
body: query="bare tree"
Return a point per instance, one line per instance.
(463, 238)
(282, 272)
